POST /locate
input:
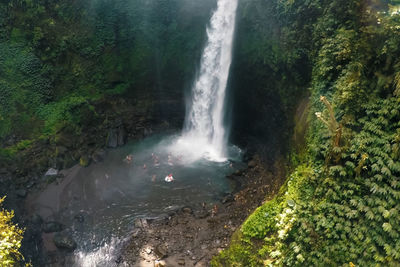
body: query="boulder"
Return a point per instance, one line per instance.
(201, 214)
(68, 162)
(121, 136)
(50, 179)
(187, 210)
(98, 155)
(30, 184)
(36, 219)
(51, 172)
(238, 172)
(116, 137)
(141, 223)
(161, 251)
(79, 218)
(147, 131)
(21, 193)
(61, 150)
(64, 241)
(252, 164)
(227, 198)
(51, 227)
(112, 138)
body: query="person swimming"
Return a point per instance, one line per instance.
(155, 159)
(170, 163)
(169, 178)
(128, 158)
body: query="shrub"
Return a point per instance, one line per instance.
(10, 238)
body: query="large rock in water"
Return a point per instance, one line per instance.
(121, 136)
(51, 227)
(64, 241)
(112, 138)
(116, 137)
(51, 172)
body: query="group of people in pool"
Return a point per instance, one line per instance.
(156, 162)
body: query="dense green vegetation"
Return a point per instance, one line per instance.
(57, 58)
(340, 206)
(341, 203)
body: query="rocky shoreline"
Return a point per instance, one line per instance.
(117, 121)
(191, 236)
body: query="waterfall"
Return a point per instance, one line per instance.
(204, 128)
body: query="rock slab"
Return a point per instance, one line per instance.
(64, 241)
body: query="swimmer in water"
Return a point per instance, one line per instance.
(169, 178)
(128, 158)
(170, 163)
(156, 161)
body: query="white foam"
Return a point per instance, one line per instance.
(204, 132)
(101, 256)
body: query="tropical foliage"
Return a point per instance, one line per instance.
(56, 56)
(10, 239)
(340, 206)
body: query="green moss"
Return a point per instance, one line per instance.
(262, 221)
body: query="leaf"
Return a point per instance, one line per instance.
(387, 227)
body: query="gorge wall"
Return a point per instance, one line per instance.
(76, 71)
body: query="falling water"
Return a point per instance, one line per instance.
(204, 126)
(139, 190)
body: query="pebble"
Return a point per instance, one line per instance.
(189, 236)
(252, 164)
(161, 251)
(187, 210)
(159, 263)
(148, 250)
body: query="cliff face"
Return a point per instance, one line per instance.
(81, 69)
(65, 66)
(56, 56)
(340, 201)
(268, 77)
